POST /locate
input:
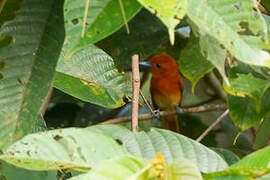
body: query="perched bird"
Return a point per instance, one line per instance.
(166, 87)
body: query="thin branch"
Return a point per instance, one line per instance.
(212, 126)
(199, 109)
(135, 92)
(147, 103)
(85, 16)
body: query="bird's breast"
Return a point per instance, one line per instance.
(166, 94)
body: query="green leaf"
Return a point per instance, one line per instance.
(258, 159)
(214, 53)
(183, 169)
(30, 65)
(193, 65)
(103, 18)
(120, 168)
(248, 85)
(7, 10)
(91, 76)
(236, 174)
(266, 4)
(40, 124)
(171, 145)
(170, 12)
(227, 21)
(143, 38)
(253, 165)
(242, 112)
(227, 155)
(11, 172)
(75, 148)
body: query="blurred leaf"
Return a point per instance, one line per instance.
(244, 143)
(263, 134)
(75, 148)
(11, 172)
(266, 4)
(90, 75)
(242, 112)
(227, 155)
(183, 169)
(214, 53)
(226, 21)
(30, 65)
(248, 85)
(193, 65)
(147, 33)
(103, 18)
(171, 145)
(169, 12)
(86, 117)
(8, 9)
(120, 168)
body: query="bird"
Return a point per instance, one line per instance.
(166, 87)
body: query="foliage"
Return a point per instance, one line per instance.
(84, 53)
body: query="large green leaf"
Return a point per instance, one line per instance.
(183, 169)
(214, 53)
(171, 145)
(193, 65)
(131, 168)
(75, 148)
(91, 76)
(253, 165)
(120, 168)
(103, 18)
(11, 172)
(170, 12)
(227, 21)
(258, 159)
(29, 65)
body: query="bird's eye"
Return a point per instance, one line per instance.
(158, 65)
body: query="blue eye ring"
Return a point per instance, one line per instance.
(158, 65)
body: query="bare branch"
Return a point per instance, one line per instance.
(212, 125)
(199, 109)
(135, 91)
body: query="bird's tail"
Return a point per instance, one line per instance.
(170, 123)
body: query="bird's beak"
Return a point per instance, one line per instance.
(146, 64)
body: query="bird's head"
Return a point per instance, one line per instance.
(161, 65)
